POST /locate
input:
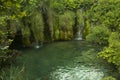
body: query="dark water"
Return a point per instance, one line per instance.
(74, 60)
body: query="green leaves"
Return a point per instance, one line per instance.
(106, 13)
(99, 35)
(112, 52)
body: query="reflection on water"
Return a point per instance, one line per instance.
(42, 63)
(77, 73)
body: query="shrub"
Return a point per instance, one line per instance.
(98, 35)
(112, 52)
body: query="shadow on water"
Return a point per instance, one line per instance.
(73, 60)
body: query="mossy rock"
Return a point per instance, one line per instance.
(26, 42)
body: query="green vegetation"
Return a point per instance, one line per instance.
(105, 20)
(14, 73)
(98, 35)
(66, 22)
(39, 21)
(109, 78)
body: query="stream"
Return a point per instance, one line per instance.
(70, 60)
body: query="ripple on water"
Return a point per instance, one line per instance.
(77, 73)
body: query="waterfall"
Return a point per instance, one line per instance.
(79, 35)
(37, 45)
(80, 25)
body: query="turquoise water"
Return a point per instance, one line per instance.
(73, 60)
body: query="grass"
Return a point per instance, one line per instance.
(12, 73)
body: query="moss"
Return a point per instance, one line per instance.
(86, 29)
(56, 34)
(37, 26)
(50, 21)
(26, 42)
(56, 28)
(70, 35)
(80, 18)
(25, 31)
(62, 35)
(66, 22)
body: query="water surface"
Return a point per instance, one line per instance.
(73, 60)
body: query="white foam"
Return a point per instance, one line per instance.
(77, 73)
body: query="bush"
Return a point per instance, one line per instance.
(98, 35)
(112, 53)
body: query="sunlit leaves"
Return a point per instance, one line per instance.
(112, 52)
(114, 39)
(58, 6)
(106, 12)
(2, 21)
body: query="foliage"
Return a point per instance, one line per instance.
(7, 57)
(66, 22)
(37, 26)
(109, 78)
(47, 10)
(11, 12)
(61, 5)
(58, 6)
(50, 21)
(56, 28)
(86, 29)
(98, 35)
(112, 53)
(80, 17)
(107, 14)
(14, 73)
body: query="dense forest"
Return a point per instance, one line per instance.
(25, 23)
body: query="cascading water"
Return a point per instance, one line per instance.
(37, 45)
(79, 35)
(77, 73)
(80, 25)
